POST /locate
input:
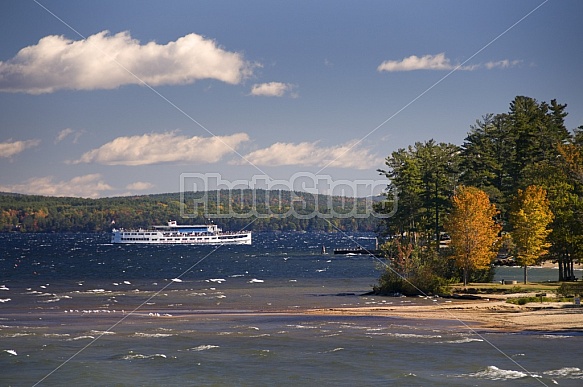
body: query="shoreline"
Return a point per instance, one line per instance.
(485, 314)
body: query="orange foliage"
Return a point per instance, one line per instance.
(472, 229)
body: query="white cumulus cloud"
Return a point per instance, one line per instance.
(310, 154)
(104, 61)
(413, 62)
(272, 89)
(11, 148)
(438, 62)
(86, 186)
(169, 147)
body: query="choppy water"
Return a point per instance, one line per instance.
(77, 310)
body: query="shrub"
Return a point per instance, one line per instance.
(413, 270)
(569, 290)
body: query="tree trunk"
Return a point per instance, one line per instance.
(561, 276)
(525, 274)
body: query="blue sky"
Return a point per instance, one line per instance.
(122, 97)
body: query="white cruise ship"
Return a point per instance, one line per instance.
(206, 234)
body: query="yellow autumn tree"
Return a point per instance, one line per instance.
(472, 229)
(530, 217)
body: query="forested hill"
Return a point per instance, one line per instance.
(232, 210)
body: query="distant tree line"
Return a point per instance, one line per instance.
(529, 167)
(258, 210)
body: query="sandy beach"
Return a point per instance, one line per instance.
(490, 312)
(487, 313)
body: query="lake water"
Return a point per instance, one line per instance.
(77, 310)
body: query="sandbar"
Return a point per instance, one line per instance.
(490, 313)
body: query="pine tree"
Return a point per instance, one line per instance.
(423, 177)
(472, 229)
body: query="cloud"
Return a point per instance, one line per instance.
(169, 147)
(309, 154)
(11, 148)
(502, 64)
(68, 132)
(427, 62)
(438, 62)
(139, 186)
(272, 89)
(63, 134)
(87, 186)
(104, 61)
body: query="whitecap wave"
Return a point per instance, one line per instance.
(551, 336)
(152, 335)
(404, 335)
(135, 356)
(203, 347)
(300, 326)
(15, 335)
(57, 335)
(461, 341)
(102, 333)
(333, 350)
(255, 281)
(566, 372)
(495, 373)
(47, 301)
(85, 337)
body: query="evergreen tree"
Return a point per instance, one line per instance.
(487, 153)
(423, 177)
